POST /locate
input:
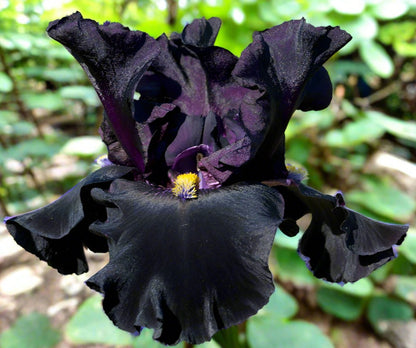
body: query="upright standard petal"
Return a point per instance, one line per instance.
(186, 268)
(58, 232)
(285, 61)
(114, 59)
(340, 245)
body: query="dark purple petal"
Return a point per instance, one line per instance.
(281, 61)
(114, 59)
(201, 32)
(339, 245)
(58, 232)
(186, 268)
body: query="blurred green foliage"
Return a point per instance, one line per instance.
(363, 144)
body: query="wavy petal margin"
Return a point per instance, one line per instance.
(58, 232)
(340, 245)
(186, 268)
(115, 59)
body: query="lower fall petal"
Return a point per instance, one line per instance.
(186, 268)
(58, 232)
(340, 245)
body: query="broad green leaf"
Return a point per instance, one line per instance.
(6, 84)
(86, 146)
(340, 304)
(383, 199)
(90, 325)
(265, 332)
(361, 288)
(363, 27)
(228, 337)
(31, 331)
(44, 100)
(290, 267)
(348, 7)
(380, 274)
(375, 56)
(85, 93)
(394, 126)
(71, 74)
(408, 248)
(388, 9)
(18, 128)
(284, 241)
(145, 340)
(405, 288)
(32, 148)
(354, 133)
(8, 117)
(281, 305)
(384, 308)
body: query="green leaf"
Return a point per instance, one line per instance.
(405, 288)
(46, 100)
(384, 199)
(350, 7)
(354, 133)
(284, 241)
(84, 93)
(340, 304)
(394, 126)
(361, 288)
(384, 308)
(85, 147)
(265, 332)
(228, 338)
(32, 148)
(408, 248)
(281, 305)
(6, 84)
(145, 340)
(290, 267)
(64, 74)
(31, 331)
(90, 325)
(375, 56)
(387, 9)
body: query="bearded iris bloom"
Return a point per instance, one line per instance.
(196, 185)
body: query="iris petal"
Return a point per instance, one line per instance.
(281, 60)
(186, 268)
(58, 232)
(340, 245)
(114, 59)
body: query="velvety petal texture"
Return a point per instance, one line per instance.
(193, 134)
(114, 59)
(186, 268)
(58, 232)
(340, 245)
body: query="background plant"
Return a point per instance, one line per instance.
(363, 144)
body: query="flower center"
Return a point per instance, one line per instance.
(186, 186)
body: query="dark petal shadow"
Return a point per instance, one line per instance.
(340, 245)
(58, 232)
(186, 268)
(114, 59)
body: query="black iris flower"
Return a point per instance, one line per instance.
(195, 184)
